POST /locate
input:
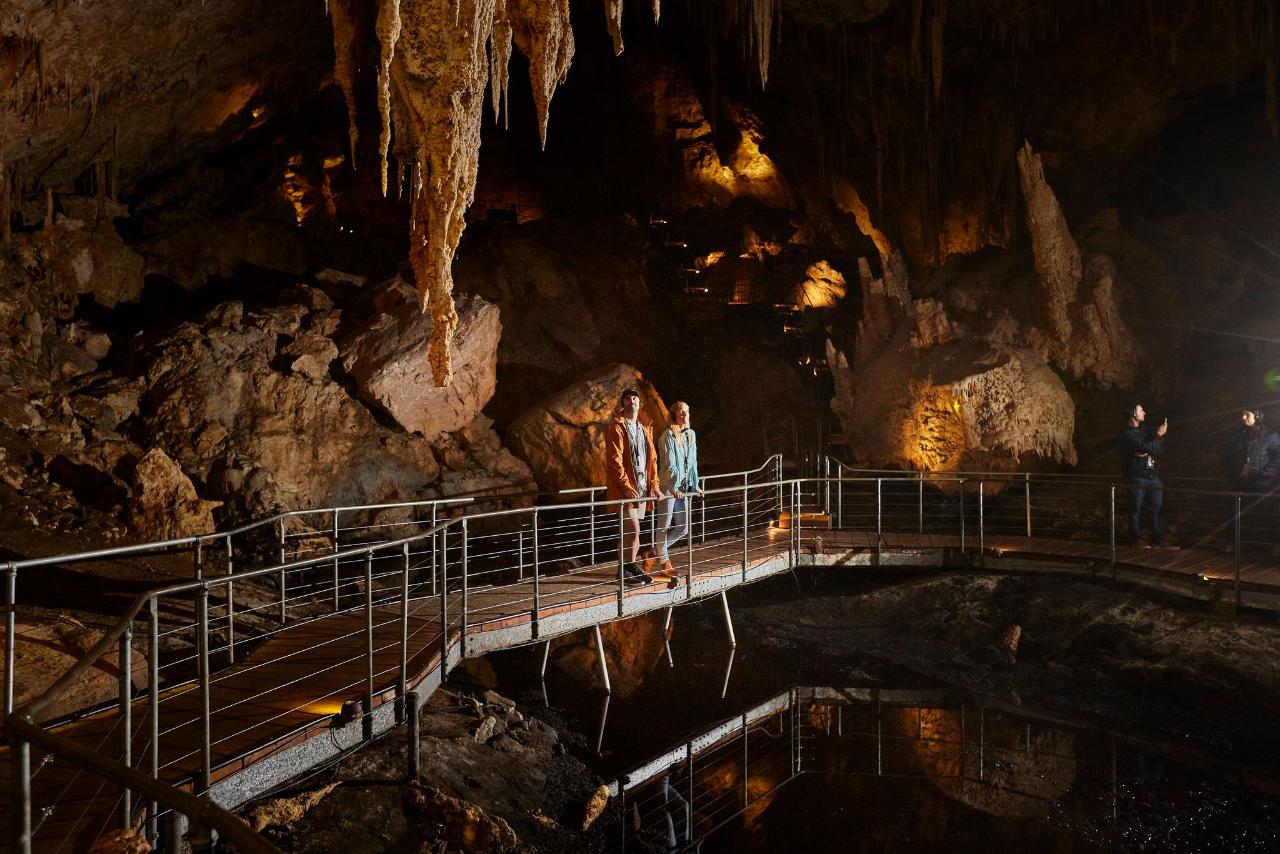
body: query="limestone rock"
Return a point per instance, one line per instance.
(165, 504)
(282, 812)
(437, 817)
(960, 406)
(192, 252)
(823, 287)
(97, 262)
(47, 649)
(562, 438)
(631, 647)
(310, 355)
(388, 359)
(120, 841)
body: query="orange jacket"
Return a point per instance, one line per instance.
(619, 480)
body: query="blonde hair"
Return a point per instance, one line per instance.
(677, 405)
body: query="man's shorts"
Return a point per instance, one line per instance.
(635, 511)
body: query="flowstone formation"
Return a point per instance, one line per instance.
(437, 57)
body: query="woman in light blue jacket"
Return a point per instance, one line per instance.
(678, 477)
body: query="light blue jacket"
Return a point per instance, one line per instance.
(675, 458)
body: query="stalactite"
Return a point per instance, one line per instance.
(937, 22)
(48, 207)
(345, 43)
(93, 100)
(100, 188)
(115, 164)
(499, 62)
(388, 27)
(657, 10)
(613, 19)
(5, 204)
(543, 34)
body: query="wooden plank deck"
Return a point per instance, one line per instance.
(287, 689)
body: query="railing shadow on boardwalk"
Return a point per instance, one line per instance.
(368, 631)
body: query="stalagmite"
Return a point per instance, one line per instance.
(543, 34)
(1057, 257)
(345, 42)
(613, 17)
(388, 34)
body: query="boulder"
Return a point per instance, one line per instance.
(310, 355)
(388, 360)
(562, 438)
(435, 817)
(45, 650)
(165, 504)
(96, 262)
(191, 252)
(120, 841)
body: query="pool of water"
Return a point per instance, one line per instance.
(797, 748)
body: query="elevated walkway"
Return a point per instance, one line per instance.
(371, 630)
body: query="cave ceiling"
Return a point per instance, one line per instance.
(921, 104)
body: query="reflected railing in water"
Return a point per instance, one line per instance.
(1011, 765)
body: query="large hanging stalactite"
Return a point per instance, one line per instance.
(437, 58)
(346, 40)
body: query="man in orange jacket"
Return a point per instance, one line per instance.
(631, 471)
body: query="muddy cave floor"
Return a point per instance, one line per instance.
(1196, 687)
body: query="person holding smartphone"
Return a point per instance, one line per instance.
(1141, 451)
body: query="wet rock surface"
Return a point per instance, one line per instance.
(517, 789)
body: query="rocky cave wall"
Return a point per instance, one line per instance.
(170, 216)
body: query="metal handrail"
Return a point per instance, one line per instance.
(769, 497)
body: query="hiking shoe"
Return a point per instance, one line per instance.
(633, 574)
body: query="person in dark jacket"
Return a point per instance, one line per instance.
(1140, 452)
(1259, 453)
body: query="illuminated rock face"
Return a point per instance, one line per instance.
(165, 504)
(562, 438)
(388, 359)
(921, 395)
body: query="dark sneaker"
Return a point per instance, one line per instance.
(633, 574)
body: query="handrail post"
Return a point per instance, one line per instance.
(433, 549)
(282, 582)
(879, 519)
(591, 534)
(462, 640)
(1237, 551)
(126, 721)
(519, 550)
(202, 665)
(367, 720)
(920, 501)
(1026, 497)
(962, 542)
(20, 769)
(744, 528)
(444, 596)
(537, 606)
(153, 699)
(621, 559)
(839, 496)
(826, 486)
(402, 682)
(777, 478)
(982, 537)
(688, 547)
(10, 633)
(1113, 532)
(337, 579)
(231, 604)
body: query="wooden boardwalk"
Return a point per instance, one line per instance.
(279, 701)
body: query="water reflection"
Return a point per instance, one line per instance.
(916, 770)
